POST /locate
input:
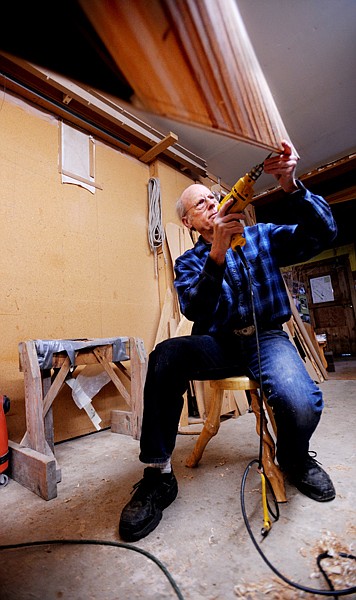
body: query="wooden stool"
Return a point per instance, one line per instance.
(212, 425)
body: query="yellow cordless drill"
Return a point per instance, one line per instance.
(242, 193)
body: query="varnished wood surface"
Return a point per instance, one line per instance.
(192, 62)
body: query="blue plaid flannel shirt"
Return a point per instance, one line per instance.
(218, 298)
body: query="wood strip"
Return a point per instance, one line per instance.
(305, 339)
(85, 356)
(123, 370)
(56, 386)
(81, 179)
(34, 470)
(33, 397)
(173, 240)
(163, 281)
(178, 240)
(184, 327)
(48, 419)
(114, 378)
(201, 389)
(121, 422)
(241, 401)
(166, 316)
(319, 350)
(160, 147)
(184, 417)
(138, 360)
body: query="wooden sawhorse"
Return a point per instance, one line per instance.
(45, 365)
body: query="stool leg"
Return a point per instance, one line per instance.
(270, 468)
(211, 427)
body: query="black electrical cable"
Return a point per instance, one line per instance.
(333, 593)
(247, 268)
(327, 555)
(101, 543)
(260, 454)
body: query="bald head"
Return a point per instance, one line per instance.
(188, 197)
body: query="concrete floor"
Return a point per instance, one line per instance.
(202, 540)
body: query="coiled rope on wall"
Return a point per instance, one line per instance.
(156, 234)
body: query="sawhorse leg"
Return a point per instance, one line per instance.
(33, 463)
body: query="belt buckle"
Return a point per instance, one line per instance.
(246, 331)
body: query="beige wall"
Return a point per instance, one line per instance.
(73, 264)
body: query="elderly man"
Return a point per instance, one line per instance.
(213, 283)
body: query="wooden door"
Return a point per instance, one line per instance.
(332, 300)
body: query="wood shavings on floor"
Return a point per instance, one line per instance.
(340, 570)
(272, 590)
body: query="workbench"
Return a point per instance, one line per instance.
(46, 365)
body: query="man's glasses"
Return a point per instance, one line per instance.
(202, 204)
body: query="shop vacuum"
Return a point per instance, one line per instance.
(4, 440)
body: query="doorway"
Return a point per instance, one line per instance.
(330, 301)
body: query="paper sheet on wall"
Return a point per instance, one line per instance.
(75, 157)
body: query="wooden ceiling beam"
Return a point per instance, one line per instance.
(157, 149)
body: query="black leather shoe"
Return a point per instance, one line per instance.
(153, 494)
(312, 481)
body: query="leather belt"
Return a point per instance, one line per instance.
(246, 331)
(251, 329)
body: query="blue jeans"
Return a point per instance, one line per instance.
(296, 400)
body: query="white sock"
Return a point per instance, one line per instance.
(165, 467)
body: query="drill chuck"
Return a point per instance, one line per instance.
(256, 171)
(242, 194)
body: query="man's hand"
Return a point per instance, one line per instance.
(226, 225)
(283, 167)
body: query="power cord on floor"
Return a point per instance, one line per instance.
(266, 528)
(333, 593)
(101, 543)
